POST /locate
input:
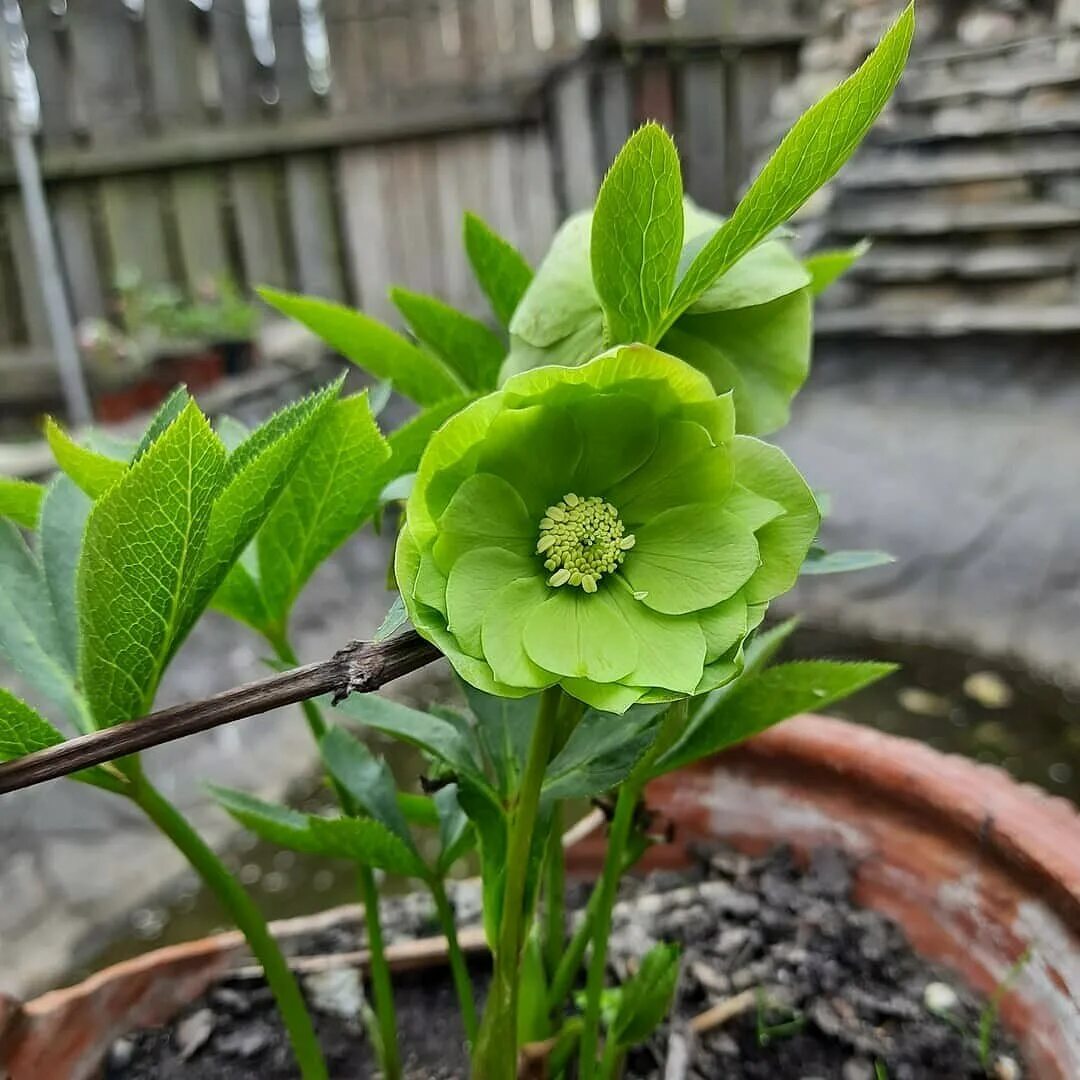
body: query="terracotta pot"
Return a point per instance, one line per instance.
(972, 865)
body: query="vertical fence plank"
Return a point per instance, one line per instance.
(26, 282)
(309, 190)
(535, 194)
(575, 149)
(706, 132)
(72, 213)
(10, 309)
(353, 59)
(614, 119)
(105, 49)
(367, 227)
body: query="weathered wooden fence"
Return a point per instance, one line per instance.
(332, 147)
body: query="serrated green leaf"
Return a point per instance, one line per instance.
(646, 998)
(809, 155)
(601, 752)
(843, 562)
(63, 523)
(270, 821)
(825, 267)
(93, 472)
(463, 343)
(456, 835)
(366, 778)
(166, 413)
(24, 731)
(758, 703)
(500, 269)
(489, 819)
(761, 353)
(30, 636)
(20, 500)
(255, 475)
(239, 595)
(504, 727)
(370, 345)
(435, 735)
(367, 841)
(332, 491)
(637, 236)
(144, 539)
(396, 618)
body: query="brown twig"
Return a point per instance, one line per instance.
(357, 669)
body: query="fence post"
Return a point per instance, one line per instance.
(57, 313)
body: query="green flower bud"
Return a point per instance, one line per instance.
(603, 528)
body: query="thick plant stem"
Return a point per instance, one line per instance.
(496, 1049)
(248, 919)
(458, 968)
(611, 1064)
(621, 826)
(554, 895)
(382, 983)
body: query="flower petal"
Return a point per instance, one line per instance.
(691, 558)
(430, 584)
(754, 509)
(484, 512)
(618, 434)
(508, 610)
(784, 542)
(685, 467)
(723, 625)
(717, 674)
(671, 649)
(607, 697)
(476, 577)
(581, 635)
(536, 450)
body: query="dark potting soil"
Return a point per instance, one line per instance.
(829, 991)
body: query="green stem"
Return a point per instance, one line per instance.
(458, 968)
(496, 1049)
(554, 895)
(622, 824)
(610, 1066)
(248, 919)
(382, 983)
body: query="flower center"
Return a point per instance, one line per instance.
(582, 540)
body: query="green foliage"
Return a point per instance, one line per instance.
(759, 702)
(646, 997)
(95, 473)
(637, 235)
(988, 1017)
(819, 561)
(826, 267)
(372, 346)
(499, 267)
(63, 522)
(332, 490)
(809, 155)
(461, 342)
(20, 500)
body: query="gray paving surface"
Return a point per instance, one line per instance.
(964, 468)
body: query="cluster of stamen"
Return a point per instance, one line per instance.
(581, 541)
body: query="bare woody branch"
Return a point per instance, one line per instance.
(359, 668)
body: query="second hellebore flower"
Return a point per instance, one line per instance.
(600, 527)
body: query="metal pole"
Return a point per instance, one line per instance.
(53, 297)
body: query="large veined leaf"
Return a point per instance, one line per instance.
(499, 267)
(95, 473)
(456, 835)
(331, 492)
(144, 539)
(758, 703)
(637, 235)
(504, 727)
(63, 522)
(23, 731)
(255, 475)
(809, 155)
(761, 353)
(166, 413)
(826, 267)
(371, 345)
(463, 343)
(20, 500)
(31, 638)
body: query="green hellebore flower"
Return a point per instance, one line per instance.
(603, 528)
(750, 332)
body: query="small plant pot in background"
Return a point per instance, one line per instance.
(974, 867)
